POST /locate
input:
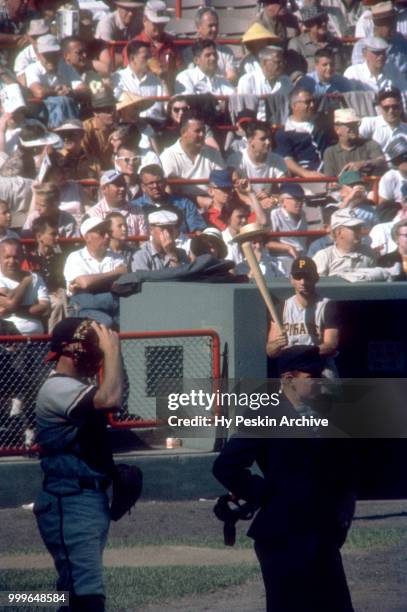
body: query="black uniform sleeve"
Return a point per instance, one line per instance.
(83, 404)
(332, 316)
(232, 469)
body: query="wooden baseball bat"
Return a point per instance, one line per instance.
(260, 282)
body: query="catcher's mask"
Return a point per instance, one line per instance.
(76, 338)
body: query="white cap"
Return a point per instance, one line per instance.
(345, 218)
(374, 43)
(163, 217)
(157, 11)
(89, 224)
(48, 44)
(110, 176)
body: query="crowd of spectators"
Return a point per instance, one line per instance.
(92, 137)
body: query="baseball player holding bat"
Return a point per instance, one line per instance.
(308, 318)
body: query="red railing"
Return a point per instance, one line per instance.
(187, 333)
(11, 433)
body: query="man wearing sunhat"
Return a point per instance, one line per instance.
(115, 199)
(375, 73)
(161, 250)
(96, 141)
(393, 184)
(124, 23)
(81, 165)
(347, 254)
(72, 509)
(36, 28)
(384, 26)
(255, 39)
(90, 272)
(351, 151)
(304, 495)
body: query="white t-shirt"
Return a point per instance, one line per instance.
(176, 163)
(35, 292)
(391, 186)
(194, 81)
(81, 263)
(273, 167)
(381, 239)
(234, 253)
(148, 85)
(36, 73)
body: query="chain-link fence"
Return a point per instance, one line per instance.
(149, 359)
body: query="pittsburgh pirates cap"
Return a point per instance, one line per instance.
(304, 267)
(301, 358)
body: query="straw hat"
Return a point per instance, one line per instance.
(250, 231)
(128, 99)
(258, 32)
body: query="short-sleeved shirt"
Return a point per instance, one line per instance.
(81, 263)
(176, 163)
(273, 167)
(331, 261)
(133, 215)
(111, 27)
(148, 85)
(255, 83)
(34, 293)
(36, 73)
(380, 131)
(149, 258)
(282, 221)
(363, 80)
(303, 143)
(335, 157)
(393, 186)
(26, 57)
(380, 236)
(226, 58)
(307, 48)
(194, 81)
(72, 434)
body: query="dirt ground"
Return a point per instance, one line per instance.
(154, 534)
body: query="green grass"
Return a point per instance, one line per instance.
(363, 538)
(129, 588)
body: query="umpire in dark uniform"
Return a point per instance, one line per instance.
(305, 498)
(72, 510)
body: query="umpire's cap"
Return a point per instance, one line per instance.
(301, 358)
(304, 267)
(64, 333)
